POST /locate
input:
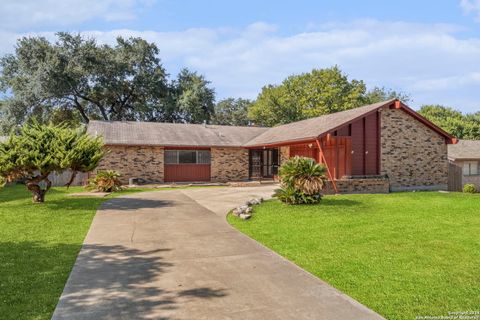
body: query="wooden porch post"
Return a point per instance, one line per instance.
(322, 157)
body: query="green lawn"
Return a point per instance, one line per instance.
(402, 254)
(38, 246)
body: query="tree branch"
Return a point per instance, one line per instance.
(98, 104)
(80, 109)
(72, 177)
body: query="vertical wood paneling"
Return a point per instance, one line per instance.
(358, 148)
(348, 156)
(365, 146)
(187, 172)
(338, 155)
(371, 144)
(303, 150)
(344, 131)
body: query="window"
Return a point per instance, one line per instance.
(187, 156)
(203, 156)
(470, 168)
(171, 157)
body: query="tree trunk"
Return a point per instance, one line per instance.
(72, 177)
(38, 194)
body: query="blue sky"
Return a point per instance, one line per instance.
(429, 49)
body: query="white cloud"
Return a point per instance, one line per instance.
(449, 82)
(429, 61)
(32, 13)
(471, 7)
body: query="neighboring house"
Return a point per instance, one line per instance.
(466, 155)
(375, 148)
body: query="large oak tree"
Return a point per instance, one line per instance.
(233, 112)
(76, 79)
(312, 94)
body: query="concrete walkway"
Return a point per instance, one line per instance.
(172, 255)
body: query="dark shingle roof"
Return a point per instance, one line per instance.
(313, 127)
(172, 134)
(179, 134)
(464, 149)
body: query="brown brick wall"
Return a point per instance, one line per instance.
(369, 185)
(135, 162)
(412, 155)
(229, 164)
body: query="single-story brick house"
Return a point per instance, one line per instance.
(466, 155)
(375, 148)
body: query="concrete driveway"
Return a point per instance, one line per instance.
(172, 255)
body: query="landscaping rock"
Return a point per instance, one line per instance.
(254, 202)
(245, 216)
(245, 212)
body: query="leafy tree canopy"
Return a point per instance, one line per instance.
(233, 112)
(463, 126)
(75, 79)
(379, 94)
(195, 100)
(38, 150)
(319, 92)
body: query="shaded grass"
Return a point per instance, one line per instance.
(38, 247)
(401, 254)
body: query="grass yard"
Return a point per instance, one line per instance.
(38, 246)
(402, 254)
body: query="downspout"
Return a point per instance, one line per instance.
(326, 166)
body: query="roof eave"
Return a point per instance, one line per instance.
(282, 143)
(107, 144)
(464, 158)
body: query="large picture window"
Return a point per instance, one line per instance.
(187, 156)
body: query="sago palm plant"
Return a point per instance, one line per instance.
(303, 178)
(106, 181)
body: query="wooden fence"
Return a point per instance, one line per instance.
(455, 177)
(59, 180)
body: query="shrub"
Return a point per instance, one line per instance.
(302, 181)
(292, 196)
(38, 150)
(106, 181)
(3, 181)
(469, 188)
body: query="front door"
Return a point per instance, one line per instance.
(263, 163)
